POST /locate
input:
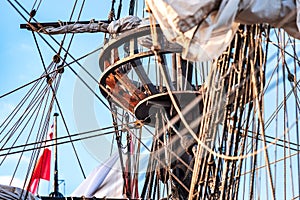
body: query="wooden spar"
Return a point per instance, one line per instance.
(29, 26)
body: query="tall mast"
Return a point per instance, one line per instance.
(56, 192)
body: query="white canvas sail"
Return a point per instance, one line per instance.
(205, 28)
(104, 181)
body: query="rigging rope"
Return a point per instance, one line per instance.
(131, 7)
(41, 133)
(194, 135)
(38, 106)
(54, 71)
(41, 140)
(34, 111)
(70, 42)
(27, 140)
(58, 143)
(27, 110)
(46, 71)
(40, 53)
(119, 9)
(35, 2)
(111, 14)
(43, 38)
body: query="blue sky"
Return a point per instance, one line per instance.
(20, 64)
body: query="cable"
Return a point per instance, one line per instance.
(58, 143)
(131, 7)
(61, 138)
(39, 50)
(119, 10)
(76, 60)
(34, 122)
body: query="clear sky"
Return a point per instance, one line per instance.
(20, 63)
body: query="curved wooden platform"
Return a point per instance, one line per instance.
(123, 55)
(130, 40)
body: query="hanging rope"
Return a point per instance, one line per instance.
(131, 7)
(119, 10)
(111, 14)
(72, 37)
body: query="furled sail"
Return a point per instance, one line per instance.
(116, 26)
(76, 28)
(205, 27)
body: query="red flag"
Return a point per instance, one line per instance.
(42, 167)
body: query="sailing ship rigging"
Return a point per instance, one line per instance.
(202, 96)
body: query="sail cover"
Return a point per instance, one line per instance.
(205, 28)
(10, 192)
(75, 28)
(104, 181)
(113, 27)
